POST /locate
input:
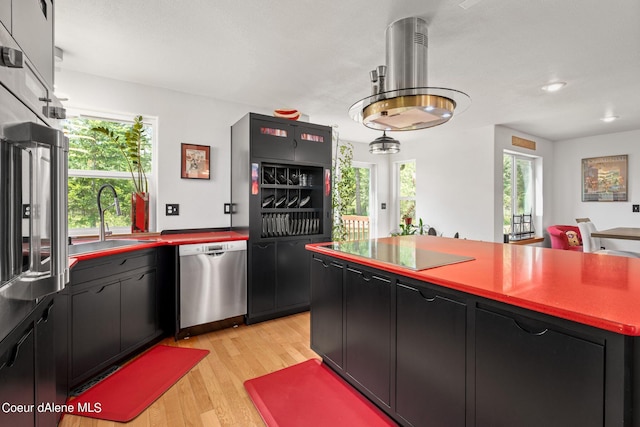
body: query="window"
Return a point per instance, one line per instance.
(360, 176)
(358, 218)
(94, 161)
(406, 190)
(519, 191)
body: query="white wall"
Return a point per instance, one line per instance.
(182, 118)
(544, 152)
(567, 198)
(454, 181)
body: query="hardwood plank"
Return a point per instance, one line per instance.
(213, 394)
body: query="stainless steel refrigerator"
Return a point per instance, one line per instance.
(33, 189)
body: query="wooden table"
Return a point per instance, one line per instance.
(626, 233)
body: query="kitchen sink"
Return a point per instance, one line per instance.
(81, 248)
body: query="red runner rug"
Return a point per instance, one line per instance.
(310, 394)
(129, 391)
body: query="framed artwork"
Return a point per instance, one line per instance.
(195, 161)
(604, 179)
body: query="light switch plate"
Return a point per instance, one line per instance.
(172, 209)
(636, 208)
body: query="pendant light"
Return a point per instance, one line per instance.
(384, 145)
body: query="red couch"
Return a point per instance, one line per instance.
(559, 239)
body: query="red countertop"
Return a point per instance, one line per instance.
(164, 240)
(597, 290)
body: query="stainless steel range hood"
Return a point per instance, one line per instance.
(400, 96)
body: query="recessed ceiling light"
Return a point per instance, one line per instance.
(554, 87)
(609, 119)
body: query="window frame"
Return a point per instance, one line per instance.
(150, 121)
(515, 156)
(396, 190)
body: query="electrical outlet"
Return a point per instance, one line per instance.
(383, 206)
(172, 209)
(26, 211)
(636, 208)
(227, 208)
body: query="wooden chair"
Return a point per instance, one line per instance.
(357, 226)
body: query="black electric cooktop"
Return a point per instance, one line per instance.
(403, 254)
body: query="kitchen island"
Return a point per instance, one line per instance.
(504, 335)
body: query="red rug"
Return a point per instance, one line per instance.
(130, 390)
(310, 394)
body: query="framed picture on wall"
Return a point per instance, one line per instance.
(604, 179)
(195, 161)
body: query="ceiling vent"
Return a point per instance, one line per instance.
(400, 97)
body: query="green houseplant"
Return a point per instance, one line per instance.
(130, 145)
(343, 189)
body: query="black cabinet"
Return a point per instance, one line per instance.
(530, 374)
(114, 311)
(278, 279)
(17, 377)
(280, 191)
(96, 327)
(430, 357)
(286, 140)
(29, 371)
(327, 312)
(293, 273)
(272, 140)
(262, 278)
(138, 308)
(46, 364)
(368, 332)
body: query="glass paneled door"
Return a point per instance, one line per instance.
(358, 218)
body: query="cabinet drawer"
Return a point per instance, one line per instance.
(111, 266)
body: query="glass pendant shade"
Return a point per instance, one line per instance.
(384, 145)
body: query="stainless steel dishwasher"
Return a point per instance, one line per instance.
(213, 282)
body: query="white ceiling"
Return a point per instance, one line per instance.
(315, 56)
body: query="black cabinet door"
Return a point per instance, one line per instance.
(368, 343)
(46, 364)
(293, 273)
(430, 357)
(528, 374)
(138, 305)
(96, 327)
(262, 284)
(327, 310)
(312, 145)
(271, 140)
(17, 379)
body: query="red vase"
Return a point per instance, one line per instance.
(140, 212)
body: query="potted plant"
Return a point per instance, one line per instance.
(131, 148)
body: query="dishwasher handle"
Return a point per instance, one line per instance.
(215, 254)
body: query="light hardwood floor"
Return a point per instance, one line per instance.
(212, 394)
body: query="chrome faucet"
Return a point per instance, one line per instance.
(101, 211)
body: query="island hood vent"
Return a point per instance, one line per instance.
(400, 97)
